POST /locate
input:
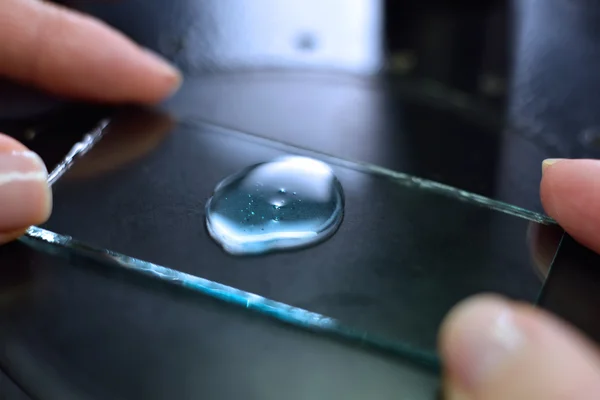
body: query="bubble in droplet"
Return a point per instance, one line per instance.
(273, 223)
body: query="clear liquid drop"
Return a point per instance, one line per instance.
(287, 203)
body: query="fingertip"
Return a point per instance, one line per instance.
(25, 196)
(499, 349)
(464, 319)
(562, 178)
(479, 337)
(550, 168)
(167, 77)
(569, 191)
(8, 144)
(549, 162)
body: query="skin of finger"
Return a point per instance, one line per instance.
(6, 237)
(556, 362)
(570, 193)
(71, 54)
(8, 144)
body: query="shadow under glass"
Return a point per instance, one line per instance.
(401, 259)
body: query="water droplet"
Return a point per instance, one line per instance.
(274, 222)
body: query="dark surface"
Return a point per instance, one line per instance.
(66, 322)
(72, 332)
(571, 291)
(392, 121)
(390, 284)
(10, 390)
(553, 97)
(52, 134)
(153, 191)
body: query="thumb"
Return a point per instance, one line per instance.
(25, 197)
(494, 349)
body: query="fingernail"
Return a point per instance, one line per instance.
(484, 335)
(165, 68)
(549, 162)
(25, 197)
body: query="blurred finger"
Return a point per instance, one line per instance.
(72, 54)
(496, 350)
(25, 198)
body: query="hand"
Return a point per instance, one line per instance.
(495, 349)
(73, 55)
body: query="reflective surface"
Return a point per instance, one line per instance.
(554, 39)
(393, 285)
(71, 330)
(67, 247)
(75, 330)
(142, 192)
(416, 127)
(282, 204)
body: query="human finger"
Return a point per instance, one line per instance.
(570, 192)
(72, 54)
(25, 197)
(495, 349)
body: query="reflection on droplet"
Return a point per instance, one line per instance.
(273, 220)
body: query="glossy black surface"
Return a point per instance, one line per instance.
(77, 322)
(414, 126)
(65, 323)
(572, 288)
(70, 330)
(52, 134)
(153, 209)
(553, 97)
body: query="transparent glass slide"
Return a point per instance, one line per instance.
(406, 252)
(71, 329)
